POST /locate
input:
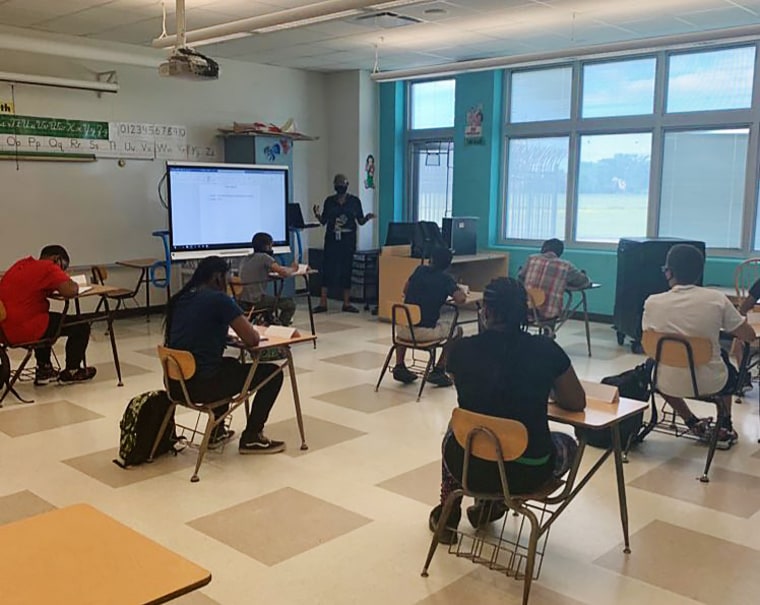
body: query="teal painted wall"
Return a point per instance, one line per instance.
(477, 183)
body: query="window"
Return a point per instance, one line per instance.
(541, 95)
(613, 187)
(719, 79)
(432, 104)
(433, 170)
(703, 176)
(619, 88)
(536, 188)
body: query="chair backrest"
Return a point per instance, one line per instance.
(483, 432)
(746, 274)
(673, 349)
(178, 365)
(99, 274)
(536, 297)
(404, 314)
(235, 286)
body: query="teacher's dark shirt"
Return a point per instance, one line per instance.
(342, 217)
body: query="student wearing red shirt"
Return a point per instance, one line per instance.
(24, 290)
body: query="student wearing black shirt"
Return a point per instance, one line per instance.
(342, 213)
(429, 287)
(197, 320)
(509, 373)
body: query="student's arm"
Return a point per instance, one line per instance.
(57, 280)
(745, 332)
(459, 296)
(275, 267)
(245, 330)
(577, 278)
(568, 391)
(735, 324)
(68, 289)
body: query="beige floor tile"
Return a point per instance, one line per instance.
(195, 598)
(386, 342)
(695, 565)
(107, 371)
(360, 360)
(21, 505)
(150, 352)
(728, 491)
(280, 525)
(27, 419)
(422, 484)
(364, 399)
(756, 454)
(492, 588)
(100, 466)
(320, 434)
(329, 326)
(598, 351)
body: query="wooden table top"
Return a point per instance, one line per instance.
(80, 556)
(273, 341)
(138, 263)
(598, 414)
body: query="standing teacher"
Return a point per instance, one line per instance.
(342, 212)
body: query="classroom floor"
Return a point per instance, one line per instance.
(346, 521)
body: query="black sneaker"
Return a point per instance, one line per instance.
(219, 438)
(260, 445)
(43, 375)
(449, 533)
(350, 309)
(484, 512)
(319, 309)
(78, 375)
(439, 378)
(404, 374)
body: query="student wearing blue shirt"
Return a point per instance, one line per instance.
(197, 320)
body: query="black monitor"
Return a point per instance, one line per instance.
(399, 234)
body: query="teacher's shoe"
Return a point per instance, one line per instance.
(260, 445)
(319, 309)
(78, 375)
(350, 309)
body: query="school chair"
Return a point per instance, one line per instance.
(512, 548)
(409, 316)
(255, 316)
(536, 299)
(676, 351)
(120, 295)
(9, 376)
(745, 274)
(179, 367)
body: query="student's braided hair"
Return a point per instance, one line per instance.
(202, 275)
(507, 301)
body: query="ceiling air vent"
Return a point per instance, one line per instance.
(385, 20)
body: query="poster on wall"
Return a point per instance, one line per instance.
(277, 151)
(369, 172)
(6, 106)
(473, 131)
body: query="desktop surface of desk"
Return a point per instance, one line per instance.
(80, 556)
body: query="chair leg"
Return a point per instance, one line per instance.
(162, 430)
(428, 368)
(530, 561)
(385, 367)
(713, 443)
(447, 506)
(15, 376)
(210, 425)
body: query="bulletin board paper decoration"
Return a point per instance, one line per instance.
(473, 131)
(7, 106)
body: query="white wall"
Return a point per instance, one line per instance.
(102, 212)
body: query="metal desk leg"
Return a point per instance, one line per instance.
(308, 302)
(296, 398)
(618, 451)
(585, 320)
(109, 321)
(144, 277)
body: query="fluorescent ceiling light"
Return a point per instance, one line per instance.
(305, 22)
(59, 82)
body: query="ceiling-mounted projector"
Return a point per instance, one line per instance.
(189, 64)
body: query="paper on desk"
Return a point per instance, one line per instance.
(233, 335)
(302, 269)
(279, 331)
(83, 289)
(601, 392)
(80, 280)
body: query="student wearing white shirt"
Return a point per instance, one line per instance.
(690, 310)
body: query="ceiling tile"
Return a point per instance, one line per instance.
(716, 19)
(91, 21)
(141, 32)
(53, 8)
(19, 17)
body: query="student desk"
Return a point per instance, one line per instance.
(572, 305)
(79, 556)
(473, 299)
(278, 284)
(144, 264)
(597, 415)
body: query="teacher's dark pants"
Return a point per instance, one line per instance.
(338, 260)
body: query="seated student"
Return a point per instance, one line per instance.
(690, 310)
(508, 373)
(197, 320)
(24, 289)
(254, 274)
(548, 272)
(753, 295)
(429, 287)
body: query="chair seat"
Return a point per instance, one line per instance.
(420, 344)
(121, 293)
(543, 492)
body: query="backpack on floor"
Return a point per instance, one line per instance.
(139, 426)
(632, 384)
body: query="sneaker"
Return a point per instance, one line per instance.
(43, 375)
(449, 533)
(350, 309)
(219, 438)
(700, 427)
(78, 375)
(404, 374)
(439, 378)
(484, 512)
(260, 445)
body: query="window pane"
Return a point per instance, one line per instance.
(433, 104)
(720, 79)
(703, 176)
(536, 188)
(434, 163)
(622, 88)
(613, 187)
(541, 95)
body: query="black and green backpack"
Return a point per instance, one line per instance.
(139, 426)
